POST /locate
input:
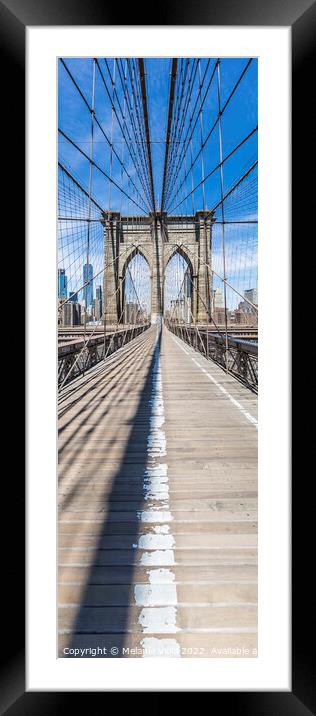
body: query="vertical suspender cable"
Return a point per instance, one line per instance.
(89, 200)
(220, 131)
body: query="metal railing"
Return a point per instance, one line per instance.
(241, 356)
(98, 347)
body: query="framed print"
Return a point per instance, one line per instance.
(157, 191)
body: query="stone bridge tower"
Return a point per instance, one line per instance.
(157, 237)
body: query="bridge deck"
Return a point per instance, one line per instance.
(158, 506)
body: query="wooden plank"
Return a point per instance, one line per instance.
(100, 620)
(158, 503)
(120, 574)
(120, 595)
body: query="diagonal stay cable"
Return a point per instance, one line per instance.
(137, 161)
(97, 166)
(141, 70)
(218, 165)
(174, 169)
(220, 114)
(192, 124)
(108, 140)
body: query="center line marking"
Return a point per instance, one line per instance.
(158, 598)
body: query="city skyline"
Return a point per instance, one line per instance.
(250, 294)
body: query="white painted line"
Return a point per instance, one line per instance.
(166, 596)
(161, 529)
(212, 548)
(157, 557)
(161, 576)
(159, 597)
(156, 541)
(251, 561)
(152, 595)
(238, 405)
(157, 495)
(158, 620)
(179, 522)
(204, 582)
(155, 516)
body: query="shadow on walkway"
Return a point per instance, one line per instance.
(120, 572)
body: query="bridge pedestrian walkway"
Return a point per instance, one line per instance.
(157, 507)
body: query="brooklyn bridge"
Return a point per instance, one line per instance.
(157, 357)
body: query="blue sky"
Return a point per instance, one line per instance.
(74, 118)
(239, 119)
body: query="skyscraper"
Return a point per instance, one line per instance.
(187, 288)
(88, 290)
(73, 296)
(98, 303)
(62, 283)
(252, 295)
(71, 314)
(218, 299)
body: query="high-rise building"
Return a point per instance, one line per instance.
(88, 290)
(187, 284)
(71, 314)
(73, 296)
(218, 298)
(60, 302)
(62, 283)
(133, 313)
(179, 310)
(218, 316)
(130, 312)
(252, 295)
(240, 316)
(98, 304)
(244, 314)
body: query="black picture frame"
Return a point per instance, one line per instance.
(15, 16)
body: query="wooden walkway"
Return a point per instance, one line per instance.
(158, 507)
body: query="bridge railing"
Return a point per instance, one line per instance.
(76, 356)
(240, 360)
